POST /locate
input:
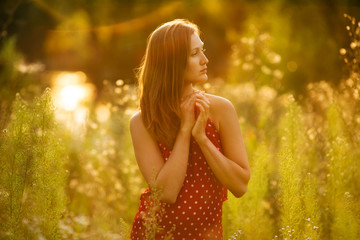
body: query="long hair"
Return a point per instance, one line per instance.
(161, 78)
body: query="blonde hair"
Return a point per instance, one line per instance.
(161, 78)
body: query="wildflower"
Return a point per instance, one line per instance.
(315, 227)
(342, 51)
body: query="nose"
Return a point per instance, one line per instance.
(204, 59)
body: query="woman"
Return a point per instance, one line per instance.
(186, 142)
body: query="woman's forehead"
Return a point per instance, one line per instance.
(196, 41)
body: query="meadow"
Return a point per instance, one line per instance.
(71, 173)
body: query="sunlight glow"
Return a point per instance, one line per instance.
(71, 90)
(72, 95)
(102, 113)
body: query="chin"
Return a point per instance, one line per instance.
(202, 79)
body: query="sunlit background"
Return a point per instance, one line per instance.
(265, 56)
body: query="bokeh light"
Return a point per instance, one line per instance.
(72, 95)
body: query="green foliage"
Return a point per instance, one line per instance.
(14, 77)
(342, 168)
(32, 174)
(309, 195)
(248, 217)
(254, 60)
(290, 155)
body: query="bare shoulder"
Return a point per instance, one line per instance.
(218, 102)
(219, 105)
(136, 120)
(220, 109)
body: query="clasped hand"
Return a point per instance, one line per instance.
(188, 121)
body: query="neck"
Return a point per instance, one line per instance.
(188, 89)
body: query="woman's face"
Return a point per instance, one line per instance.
(196, 69)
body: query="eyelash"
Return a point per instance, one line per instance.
(202, 50)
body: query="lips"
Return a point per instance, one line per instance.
(204, 70)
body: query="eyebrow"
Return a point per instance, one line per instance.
(202, 45)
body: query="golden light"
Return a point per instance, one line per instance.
(71, 90)
(72, 95)
(102, 113)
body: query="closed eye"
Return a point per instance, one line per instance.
(198, 51)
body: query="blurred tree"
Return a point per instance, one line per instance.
(306, 33)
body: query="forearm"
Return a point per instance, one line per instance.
(233, 176)
(171, 176)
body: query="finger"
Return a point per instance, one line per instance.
(201, 108)
(190, 95)
(203, 103)
(203, 97)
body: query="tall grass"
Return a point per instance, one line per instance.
(343, 209)
(32, 174)
(291, 153)
(248, 217)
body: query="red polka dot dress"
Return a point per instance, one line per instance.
(197, 212)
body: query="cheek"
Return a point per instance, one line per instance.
(191, 65)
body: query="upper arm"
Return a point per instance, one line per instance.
(147, 153)
(230, 133)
